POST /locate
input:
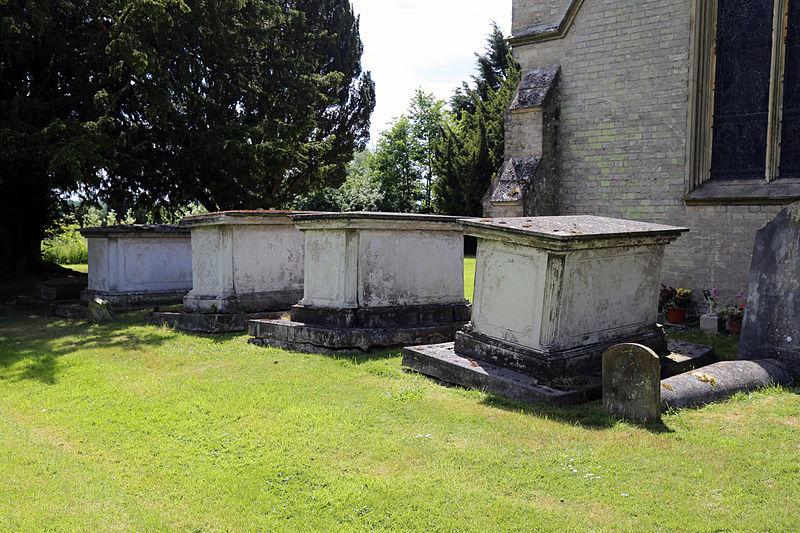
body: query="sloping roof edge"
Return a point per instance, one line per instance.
(548, 32)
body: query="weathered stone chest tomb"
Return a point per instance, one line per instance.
(244, 261)
(551, 295)
(138, 265)
(374, 279)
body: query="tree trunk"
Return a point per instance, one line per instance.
(24, 208)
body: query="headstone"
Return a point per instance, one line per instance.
(100, 309)
(632, 382)
(374, 280)
(138, 265)
(771, 326)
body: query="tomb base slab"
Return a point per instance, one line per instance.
(548, 364)
(242, 303)
(207, 322)
(127, 300)
(313, 338)
(441, 362)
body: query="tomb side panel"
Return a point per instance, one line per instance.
(148, 264)
(509, 292)
(268, 258)
(608, 293)
(210, 261)
(410, 268)
(330, 271)
(98, 251)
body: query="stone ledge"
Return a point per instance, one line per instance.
(440, 361)
(135, 299)
(383, 317)
(207, 322)
(319, 339)
(257, 302)
(548, 32)
(745, 192)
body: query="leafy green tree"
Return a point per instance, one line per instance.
(403, 161)
(397, 170)
(359, 192)
(493, 67)
(159, 103)
(471, 151)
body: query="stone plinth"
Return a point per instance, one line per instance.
(771, 326)
(244, 262)
(138, 265)
(553, 293)
(374, 279)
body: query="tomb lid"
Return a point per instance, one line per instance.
(253, 216)
(382, 220)
(569, 229)
(142, 230)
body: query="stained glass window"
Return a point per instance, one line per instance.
(790, 128)
(741, 92)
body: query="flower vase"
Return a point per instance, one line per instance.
(734, 327)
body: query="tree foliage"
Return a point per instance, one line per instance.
(471, 151)
(236, 104)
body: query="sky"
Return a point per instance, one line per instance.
(427, 44)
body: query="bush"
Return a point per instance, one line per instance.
(65, 245)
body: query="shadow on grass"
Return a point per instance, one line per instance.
(35, 344)
(588, 415)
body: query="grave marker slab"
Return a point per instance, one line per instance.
(771, 326)
(632, 382)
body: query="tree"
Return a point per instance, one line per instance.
(159, 103)
(404, 157)
(471, 151)
(396, 169)
(493, 67)
(359, 192)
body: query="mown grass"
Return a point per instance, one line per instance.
(79, 267)
(469, 277)
(135, 428)
(127, 427)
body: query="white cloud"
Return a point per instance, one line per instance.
(428, 44)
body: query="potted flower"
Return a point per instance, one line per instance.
(676, 309)
(733, 314)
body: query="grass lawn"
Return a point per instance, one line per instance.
(82, 267)
(136, 428)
